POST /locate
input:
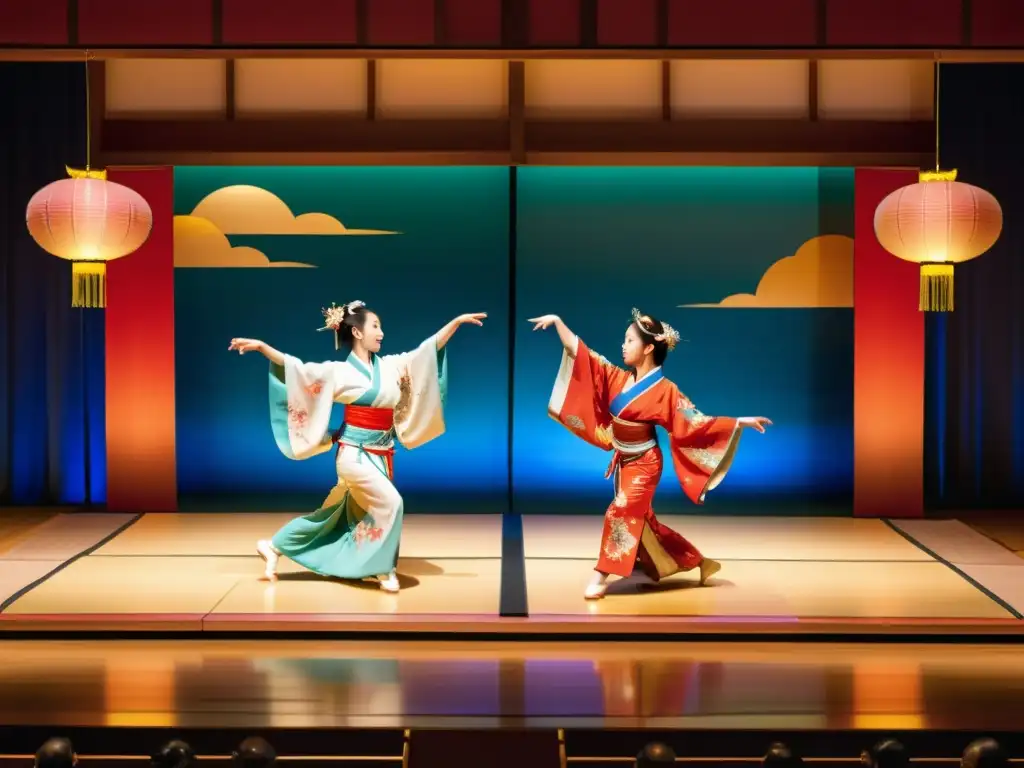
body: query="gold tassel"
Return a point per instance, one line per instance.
(936, 288)
(89, 284)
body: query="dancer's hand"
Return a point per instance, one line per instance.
(245, 345)
(473, 318)
(754, 422)
(543, 322)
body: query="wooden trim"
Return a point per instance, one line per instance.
(812, 89)
(741, 159)
(229, 89)
(663, 21)
(515, 24)
(588, 23)
(950, 55)
(821, 23)
(217, 21)
(666, 90)
(363, 24)
(516, 137)
(371, 89)
(517, 112)
(72, 18)
(337, 135)
(201, 157)
(966, 22)
(731, 136)
(440, 23)
(504, 158)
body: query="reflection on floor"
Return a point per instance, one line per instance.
(267, 684)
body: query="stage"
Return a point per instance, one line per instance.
(199, 573)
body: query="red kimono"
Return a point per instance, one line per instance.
(601, 403)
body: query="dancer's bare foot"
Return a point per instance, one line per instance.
(708, 568)
(597, 588)
(389, 582)
(270, 557)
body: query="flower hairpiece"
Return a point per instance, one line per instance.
(668, 335)
(334, 315)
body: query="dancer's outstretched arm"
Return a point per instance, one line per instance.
(443, 336)
(255, 345)
(567, 337)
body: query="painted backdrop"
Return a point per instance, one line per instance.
(259, 252)
(754, 268)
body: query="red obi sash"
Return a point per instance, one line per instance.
(627, 435)
(364, 417)
(632, 433)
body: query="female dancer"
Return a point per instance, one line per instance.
(355, 534)
(617, 410)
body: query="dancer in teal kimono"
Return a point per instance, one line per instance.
(356, 532)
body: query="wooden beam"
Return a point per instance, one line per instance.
(217, 22)
(313, 135)
(666, 90)
(440, 23)
(731, 136)
(515, 24)
(947, 55)
(821, 23)
(504, 158)
(663, 20)
(812, 89)
(229, 89)
(519, 140)
(517, 111)
(966, 22)
(371, 89)
(588, 23)
(72, 16)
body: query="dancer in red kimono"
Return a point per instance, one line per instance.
(617, 410)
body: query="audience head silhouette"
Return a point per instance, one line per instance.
(781, 756)
(887, 753)
(174, 754)
(254, 752)
(56, 753)
(984, 753)
(655, 754)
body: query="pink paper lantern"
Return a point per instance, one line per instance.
(937, 223)
(89, 221)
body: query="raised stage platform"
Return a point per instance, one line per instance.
(193, 573)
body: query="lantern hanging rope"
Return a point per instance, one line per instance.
(89, 221)
(937, 223)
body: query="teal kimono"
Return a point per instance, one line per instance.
(356, 532)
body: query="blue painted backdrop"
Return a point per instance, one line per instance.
(591, 244)
(595, 242)
(451, 258)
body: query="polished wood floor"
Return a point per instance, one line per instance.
(304, 684)
(200, 573)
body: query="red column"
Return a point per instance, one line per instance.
(141, 466)
(889, 365)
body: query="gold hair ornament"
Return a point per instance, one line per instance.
(669, 335)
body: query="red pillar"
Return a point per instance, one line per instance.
(889, 364)
(141, 462)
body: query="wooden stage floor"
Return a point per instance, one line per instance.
(781, 576)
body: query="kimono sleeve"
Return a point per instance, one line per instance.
(703, 447)
(423, 392)
(301, 401)
(584, 387)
